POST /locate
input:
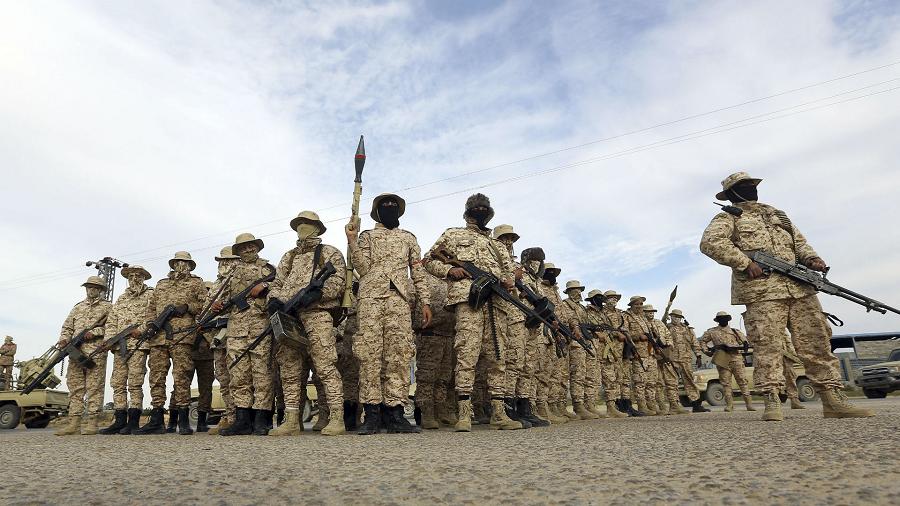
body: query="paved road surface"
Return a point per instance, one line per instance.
(707, 458)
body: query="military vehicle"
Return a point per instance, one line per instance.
(880, 379)
(38, 407)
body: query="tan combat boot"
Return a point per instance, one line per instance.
(224, 423)
(335, 425)
(646, 408)
(426, 408)
(836, 405)
(550, 410)
(795, 403)
(71, 428)
(662, 407)
(773, 408)
(535, 407)
(290, 426)
(464, 421)
(748, 401)
(322, 419)
(729, 403)
(582, 413)
(499, 420)
(675, 407)
(591, 404)
(564, 411)
(612, 411)
(444, 415)
(89, 427)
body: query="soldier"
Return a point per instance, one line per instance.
(86, 384)
(776, 302)
(644, 371)
(203, 357)
(250, 384)
(723, 343)
(434, 357)
(226, 260)
(133, 306)
(572, 313)
(686, 352)
(479, 331)
(385, 257)
(347, 363)
(295, 270)
(540, 348)
(7, 358)
(609, 356)
(790, 375)
(628, 361)
(559, 377)
(667, 389)
(186, 293)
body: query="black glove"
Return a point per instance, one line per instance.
(746, 346)
(181, 309)
(275, 305)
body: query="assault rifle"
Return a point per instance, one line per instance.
(304, 298)
(797, 272)
(119, 339)
(543, 308)
(485, 285)
(160, 323)
(73, 350)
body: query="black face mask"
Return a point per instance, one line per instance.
(550, 278)
(743, 192)
(480, 216)
(596, 300)
(389, 216)
(723, 322)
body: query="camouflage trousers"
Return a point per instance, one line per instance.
(611, 378)
(559, 381)
(668, 381)
(650, 379)
(810, 333)
(735, 369)
(6, 372)
(127, 380)
(790, 378)
(475, 340)
(629, 385)
(86, 385)
(385, 348)
(205, 375)
(592, 375)
(686, 372)
(526, 385)
(223, 376)
(434, 367)
(546, 366)
(250, 382)
(182, 373)
(577, 371)
(294, 367)
(514, 357)
(348, 367)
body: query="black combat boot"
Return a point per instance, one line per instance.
(351, 410)
(119, 423)
(373, 420)
(523, 409)
(261, 422)
(134, 418)
(155, 425)
(399, 423)
(242, 425)
(270, 417)
(201, 421)
(630, 409)
(173, 421)
(510, 404)
(697, 407)
(184, 422)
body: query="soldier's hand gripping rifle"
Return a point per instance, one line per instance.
(360, 162)
(160, 323)
(803, 274)
(304, 298)
(73, 350)
(120, 339)
(545, 309)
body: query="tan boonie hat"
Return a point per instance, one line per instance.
(676, 312)
(308, 217)
(182, 255)
(548, 266)
(131, 269)
(95, 281)
(612, 294)
(649, 308)
(226, 254)
(722, 313)
(573, 283)
(636, 299)
(246, 238)
(377, 202)
(732, 180)
(594, 293)
(501, 230)
(8, 339)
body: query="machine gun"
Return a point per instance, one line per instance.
(119, 339)
(544, 309)
(304, 298)
(73, 350)
(160, 323)
(770, 263)
(485, 285)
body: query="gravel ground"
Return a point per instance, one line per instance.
(711, 458)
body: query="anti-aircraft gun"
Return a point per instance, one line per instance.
(42, 404)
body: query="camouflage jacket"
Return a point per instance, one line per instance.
(7, 353)
(760, 227)
(722, 335)
(469, 244)
(443, 322)
(572, 313)
(177, 290)
(686, 346)
(131, 307)
(662, 332)
(552, 294)
(295, 270)
(384, 259)
(608, 347)
(85, 314)
(254, 319)
(638, 327)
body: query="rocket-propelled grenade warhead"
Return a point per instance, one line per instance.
(360, 159)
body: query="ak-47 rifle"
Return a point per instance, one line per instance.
(770, 263)
(545, 309)
(72, 350)
(360, 162)
(300, 300)
(119, 339)
(161, 322)
(485, 285)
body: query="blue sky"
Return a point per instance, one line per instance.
(135, 129)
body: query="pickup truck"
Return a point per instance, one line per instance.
(881, 379)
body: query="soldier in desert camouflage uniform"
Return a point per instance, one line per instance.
(609, 354)
(667, 386)
(226, 261)
(85, 385)
(434, 357)
(788, 360)
(559, 375)
(133, 306)
(571, 313)
(617, 319)
(644, 371)
(7, 359)
(541, 346)
(733, 363)
(686, 352)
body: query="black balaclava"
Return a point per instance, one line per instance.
(723, 321)
(597, 300)
(389, 216)
(550, 277)
(745, 191)
(481, 217)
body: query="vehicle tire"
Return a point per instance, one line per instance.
(806, 391)
(409, 410)
(10, 414)
(40, 422)
(194, 413)
(715, 394)
(871, 394)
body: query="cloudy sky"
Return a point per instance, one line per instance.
(600, 130)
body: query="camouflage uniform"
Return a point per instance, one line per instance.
(203, 365)
(558, 366)
(789, 358)
(571, 313)
(686, 351)
(609, 352)
(434, 355)
(86, 385)
(617, 377)
(347, 363)
(667, 385)
(644, 371)
(7, 359)
(133, 306)
(728, 336)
